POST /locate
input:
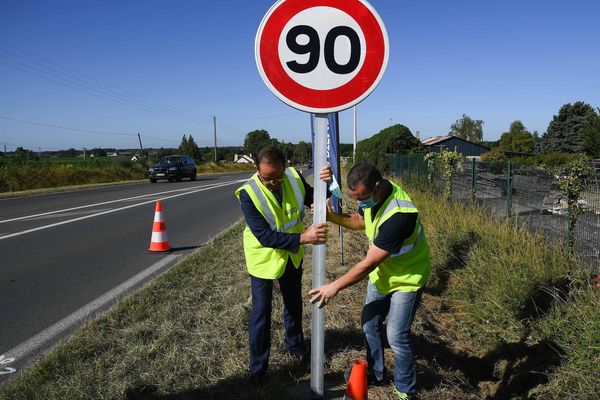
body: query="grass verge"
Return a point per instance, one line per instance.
(482, 331)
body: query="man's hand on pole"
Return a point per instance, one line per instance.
(314, 234)
(326, 175)
(323, 294)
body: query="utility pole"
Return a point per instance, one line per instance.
(141, 147)
(84, 154)
(215, 126)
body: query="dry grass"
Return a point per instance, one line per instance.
(185, 335)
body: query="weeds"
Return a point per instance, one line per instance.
(490, 325)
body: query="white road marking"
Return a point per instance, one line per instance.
(66, 214)
(6, 370)
(97, 204)
(29, 346)
(119, 209)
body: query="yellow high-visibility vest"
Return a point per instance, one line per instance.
(408, 269)
(266, 262)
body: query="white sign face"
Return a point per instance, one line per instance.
(321, 56)
(324, 50)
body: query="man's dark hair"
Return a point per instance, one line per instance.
(270, 155)
(363, 173)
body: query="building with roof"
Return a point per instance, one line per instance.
(451, 142)
(242, 159)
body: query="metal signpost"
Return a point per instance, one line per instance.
(321, 57)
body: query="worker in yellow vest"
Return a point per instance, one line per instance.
(273, 202)
(397, 264)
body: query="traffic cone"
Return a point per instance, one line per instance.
(356, 389)
(159, 240)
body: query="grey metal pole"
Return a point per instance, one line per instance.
(317, 341)
(354, 138)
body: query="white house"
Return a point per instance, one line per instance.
(242, 159)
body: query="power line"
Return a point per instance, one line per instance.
(64, 82)
(96, 84)
(67, 128)
(90, 131)
(263, 117)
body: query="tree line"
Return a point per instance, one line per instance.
(575, 129)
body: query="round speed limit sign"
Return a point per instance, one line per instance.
(321, 56)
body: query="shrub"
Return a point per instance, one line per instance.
(394, 140)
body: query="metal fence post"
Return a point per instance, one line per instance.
(473, 181)
(509, 190)
(570, 239)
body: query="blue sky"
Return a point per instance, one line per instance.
(175, 64)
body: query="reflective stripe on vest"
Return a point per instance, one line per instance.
(409, 247)
(299, 199)
(392, 205)
(282, 215)
(264, 205)
(408, 269)
(267, 210)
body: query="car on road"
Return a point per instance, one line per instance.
(173, 168)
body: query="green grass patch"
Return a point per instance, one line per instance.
(53, 173)
(492, 274)
(185, 335)
(574, 325)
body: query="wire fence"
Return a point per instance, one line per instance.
(530, 196)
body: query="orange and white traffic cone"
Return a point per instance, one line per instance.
(356, 389)
(159, 240)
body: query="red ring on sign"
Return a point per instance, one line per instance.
(314, 98)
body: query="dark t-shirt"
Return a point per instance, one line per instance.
(393, 232)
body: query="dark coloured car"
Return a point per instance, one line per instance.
(173, 168)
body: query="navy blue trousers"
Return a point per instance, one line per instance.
(259, 325)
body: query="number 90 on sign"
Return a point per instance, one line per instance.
(322, 56)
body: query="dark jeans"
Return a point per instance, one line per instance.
(399, 308)
(259, 325)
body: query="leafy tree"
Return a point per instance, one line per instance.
(346, 149)
(517, 139)
(71, 152)
(468, 128)
(565, 131)
(590, 133)
(396, 139)
(189, 147)
(302, 152)
(98, 152)
(23, 155)
(256, 140)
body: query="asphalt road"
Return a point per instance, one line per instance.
(59, 252)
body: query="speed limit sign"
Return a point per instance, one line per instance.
(321, 56)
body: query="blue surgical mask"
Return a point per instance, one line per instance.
(335, 189)
(368, 203)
